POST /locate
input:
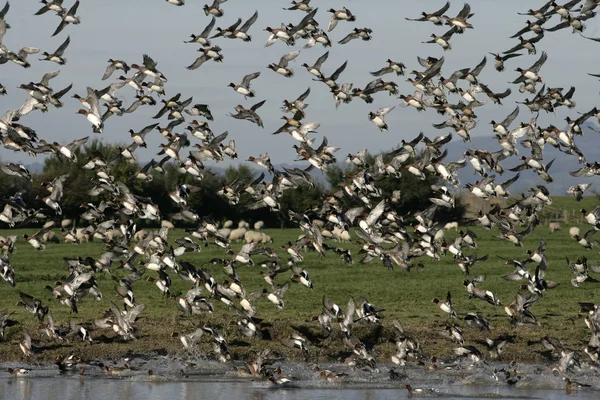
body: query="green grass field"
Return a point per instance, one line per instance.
(404, 296)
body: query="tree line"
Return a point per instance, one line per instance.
(415, 193)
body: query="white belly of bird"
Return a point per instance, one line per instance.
(94, 119)
(415, 103)
(380, 123)
(479, 193)
(499, 191)
(565, 138)
(468, 97)
(236, 288)
(315, 72)
(283, 71)
(273, 298)
(441, 42)
(459, 24)
(443, 171)
(315, 163)
(134, 85)
(213, 54)
(51, 203)
(534, 164)
(270, 202)
(171, 153)
(66, 152)
(450, 86)
(415, 171)
(476, 164)
(507, 146)
(530, 75)
(247, 306)
(298, 136)
(445, 308)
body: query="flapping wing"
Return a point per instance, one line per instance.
(248, 78)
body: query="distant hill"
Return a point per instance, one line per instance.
(588, 144)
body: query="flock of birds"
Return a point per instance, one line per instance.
(383, 234)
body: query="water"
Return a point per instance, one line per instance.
(67, 388)
(215, 381)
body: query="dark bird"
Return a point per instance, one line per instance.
(434, 17)
(68, 17)
(249, 114)
(57, 55)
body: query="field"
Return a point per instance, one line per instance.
(405, 296)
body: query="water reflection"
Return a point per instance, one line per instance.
(132, 388)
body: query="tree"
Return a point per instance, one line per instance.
(415, 193)
(79, 182)
(302, 198)
(334, 175)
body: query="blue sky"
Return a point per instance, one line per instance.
(127, 29)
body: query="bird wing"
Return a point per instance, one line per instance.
(304, 95)
(134, 312)
(248, 78)
(479, 66)
(560, 26)
(591, 38)
(433, 70)
(449, 34)
(511, 117)
(2, 29)
(338, 71)
(61, 93)
(109, 71)
(464, 13)
(92, 99)
(62, 47)
(60, 27)
(46, 78)
(149, 62)
(321, 60)
(28, 50)
(332, 23)
(257, 105)
(249, 23)
(514, 49)
(198, 62)
(442, 10)
(4, 10)
(348, 37)
(382, 71)
(208, 28)
(73, 9)
(283, 62)
(384, 111)
(538, 64)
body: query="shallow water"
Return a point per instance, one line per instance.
(67, 388)
(214, 381)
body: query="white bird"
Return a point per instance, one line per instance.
(377, 118)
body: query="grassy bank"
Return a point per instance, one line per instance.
(404, 296)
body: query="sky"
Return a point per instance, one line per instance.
(126, 30)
